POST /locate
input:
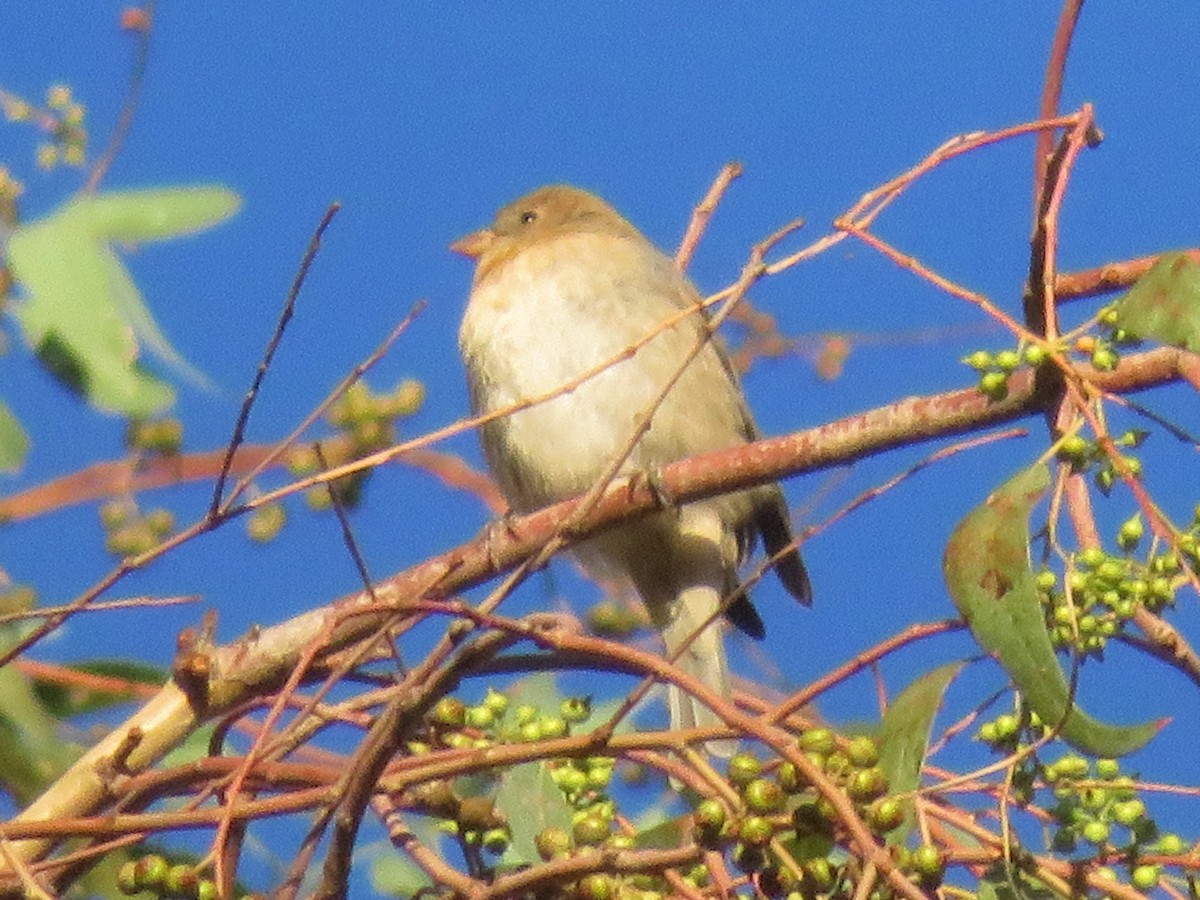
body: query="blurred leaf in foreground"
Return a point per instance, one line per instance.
(82, 312)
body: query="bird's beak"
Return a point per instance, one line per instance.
(475, 243)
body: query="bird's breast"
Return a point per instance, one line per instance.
(575, 340)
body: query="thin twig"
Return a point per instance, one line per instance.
(129, 107)
(704, 212)
(285, 316)
(1056, 69)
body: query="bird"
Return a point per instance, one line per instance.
(562, 284)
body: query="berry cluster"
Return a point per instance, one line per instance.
(365, 423)
(785, 835)
(1096, 811)
(153, 874)
(62, 119)
(1102, 592)
(1102, 350)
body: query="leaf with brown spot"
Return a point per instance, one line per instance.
(987, 571)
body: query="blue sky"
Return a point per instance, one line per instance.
(422, 119)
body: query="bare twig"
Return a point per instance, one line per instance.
(285, 316)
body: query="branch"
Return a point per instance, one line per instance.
(260, 662)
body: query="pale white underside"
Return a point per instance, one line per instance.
(542, 320)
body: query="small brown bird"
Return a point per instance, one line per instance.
(564, 283)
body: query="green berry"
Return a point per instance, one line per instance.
(1123, 788)
(818, 740)
(552, 842)
(599, 776)
(114, 514)
(993, 385)
(756, 831)
(449, 712)
(819, 872)
(1145, 878)
(1045, 580)
(595, 886)
(1096, 832)
(456, 740)
(762, 795)
(181, 880)
(867, 784)
(885, 814)
(980, 360)
(1073, 448)
(127, 878)
(265, 523)
(1170, 844)
(1105, 358)
(863, 752)
(708, 823)
(1007, 726)
(479, 717)
(1131, 532)
(744, 768)
(570, 780)
(495, 840)
(1128, 813)
(591, 831)
(1008, 360)
(790, 779)
(927, 860)
(710, 815)
(496, 702)
(576, 709)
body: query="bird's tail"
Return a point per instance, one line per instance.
(703, 658)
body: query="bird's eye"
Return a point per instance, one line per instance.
(528, 216)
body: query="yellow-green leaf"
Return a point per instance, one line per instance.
(906, 729)
(156, 214)
(14, 442)
(1165, 303)
(988, 573)
(82, 312)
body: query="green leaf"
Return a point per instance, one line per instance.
(32, 750)
(987, 571)
(906, 729)
(83, 314)
(665, 835)
(72, 700)
(398, 876)
(530, 801)
(1165, 303)
(14, 442)
(157, 214)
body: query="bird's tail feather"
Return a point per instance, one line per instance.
(703, 658)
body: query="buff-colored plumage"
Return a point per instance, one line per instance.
(564, 283)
